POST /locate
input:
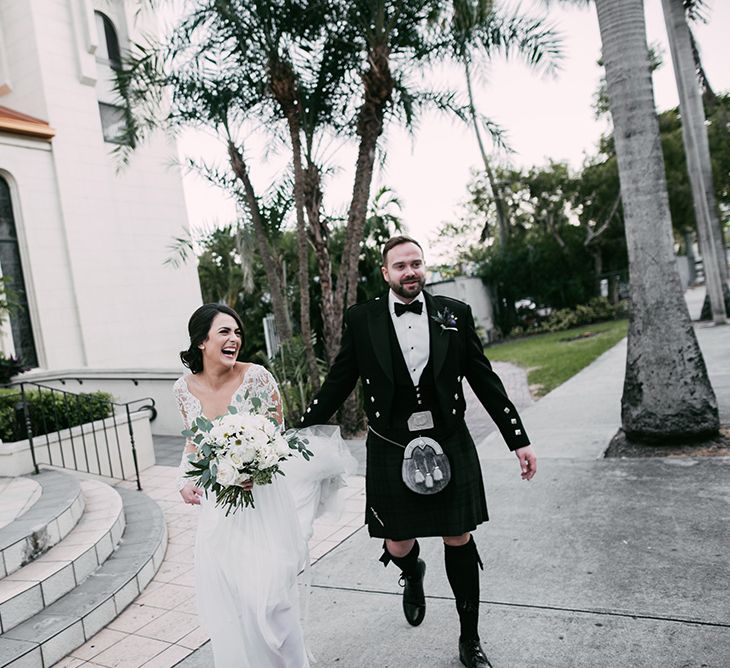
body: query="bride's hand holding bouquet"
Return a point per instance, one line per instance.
(238, 450)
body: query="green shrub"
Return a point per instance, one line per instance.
(49, 411)
(9, 367)
(291, 372)
(597, 309)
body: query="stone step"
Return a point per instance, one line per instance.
(43, 581)
(68, 623)
(17, 496)
(45, 523)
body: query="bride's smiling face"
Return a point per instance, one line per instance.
(223, 344)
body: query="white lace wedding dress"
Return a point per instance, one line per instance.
(246, 564)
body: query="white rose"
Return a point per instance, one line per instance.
(267, 457)
(230, 423)
(242, 477)
(257, 438)
(248, 453)
(256, 422)
(227, 473)
(242, 453)
(282, 447)
(218, 434)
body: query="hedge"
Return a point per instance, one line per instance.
(49, 411)
(597, 309)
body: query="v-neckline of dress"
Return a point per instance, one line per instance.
(233, 395)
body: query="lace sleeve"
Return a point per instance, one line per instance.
(179, 391)
(183, 405)
(263, 386)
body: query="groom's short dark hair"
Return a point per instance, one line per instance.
(397, 241)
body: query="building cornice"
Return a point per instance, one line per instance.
(21, 124)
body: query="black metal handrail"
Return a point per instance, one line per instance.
(135, 380)
(61, 418)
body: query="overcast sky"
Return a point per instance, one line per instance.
(544, 118)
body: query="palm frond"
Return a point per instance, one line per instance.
(181, 250)
(697, 10)
(531, 39)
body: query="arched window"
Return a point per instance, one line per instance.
(108, 63)
(12, 272)
(108, 51)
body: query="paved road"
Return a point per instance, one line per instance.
(595, 563)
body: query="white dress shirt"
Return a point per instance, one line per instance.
(413, 336)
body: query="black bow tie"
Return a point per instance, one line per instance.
(414, 307)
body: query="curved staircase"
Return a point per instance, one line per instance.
(73, 554)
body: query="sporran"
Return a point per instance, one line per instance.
(426, 468)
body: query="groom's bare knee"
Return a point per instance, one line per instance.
(457, 541)
(399, 548)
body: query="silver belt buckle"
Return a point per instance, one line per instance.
(420, 421)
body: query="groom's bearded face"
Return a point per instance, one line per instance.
(405, 271)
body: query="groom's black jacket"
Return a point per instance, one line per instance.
(366, 354)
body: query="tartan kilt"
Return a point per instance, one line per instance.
(394, 511)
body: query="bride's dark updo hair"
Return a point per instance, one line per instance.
(198, 328)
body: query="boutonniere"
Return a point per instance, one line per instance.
(446, 319)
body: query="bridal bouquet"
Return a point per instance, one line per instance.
(238, 447)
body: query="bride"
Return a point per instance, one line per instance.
(246, 564)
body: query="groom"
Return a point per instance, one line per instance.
(411, 351)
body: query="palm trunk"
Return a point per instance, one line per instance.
(319, 234)
(696, 148)
(278, 300)
(377, 89)
(303, 250)
(348, 275)
(708, 94)
(667, 393)
(358, 208)
(284, 88)
(502, 223)
(689, 251)
(597, 269)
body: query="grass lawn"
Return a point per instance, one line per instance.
(550, 359)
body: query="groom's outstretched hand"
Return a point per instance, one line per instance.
(528, 461)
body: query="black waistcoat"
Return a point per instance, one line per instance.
(407, 396)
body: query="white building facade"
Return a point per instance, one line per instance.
(83, 240)
(90, 237)
(469, 289)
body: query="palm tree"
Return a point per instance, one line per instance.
(696, 147)
(478, 32)
(264, 38)
(696, 12)
(667, 393)
(322, 92)
(395, 36)
(191, 79)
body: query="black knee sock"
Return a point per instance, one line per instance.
(408, 564)
(462, 570)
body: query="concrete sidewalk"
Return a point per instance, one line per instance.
(595, 562)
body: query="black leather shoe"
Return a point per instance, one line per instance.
(472, 655)
(414, 600)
